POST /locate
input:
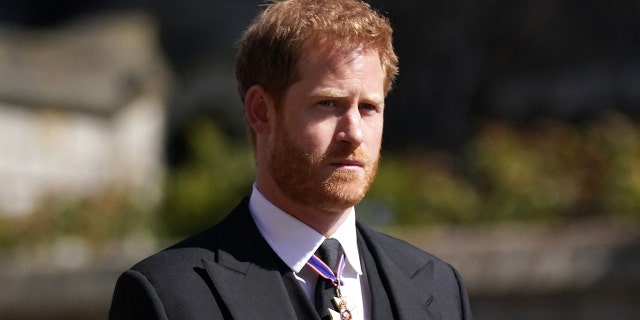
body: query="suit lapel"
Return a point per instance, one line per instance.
(408, 285)
(244, 272)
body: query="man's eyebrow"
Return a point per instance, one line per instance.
(329, 92)
(339, 93)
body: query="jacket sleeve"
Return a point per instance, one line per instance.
(464, 299)
(135, 298)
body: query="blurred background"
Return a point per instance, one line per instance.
(512, 146)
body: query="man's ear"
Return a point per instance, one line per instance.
(259, 109)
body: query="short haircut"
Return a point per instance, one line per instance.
(269, 50)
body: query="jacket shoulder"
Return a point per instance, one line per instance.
(399, 250)
(204, 245)
(185, 254)
(174, 282)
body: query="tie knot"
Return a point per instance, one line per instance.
(330, 251)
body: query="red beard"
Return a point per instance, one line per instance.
(312, 180)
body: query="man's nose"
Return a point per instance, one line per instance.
(350, 127)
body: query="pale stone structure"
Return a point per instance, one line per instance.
(81, 110)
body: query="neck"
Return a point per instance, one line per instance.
(325, 223)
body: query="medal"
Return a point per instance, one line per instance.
(336, 279)
(341, 304)
(343, 315)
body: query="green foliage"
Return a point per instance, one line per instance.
(425, 188)
(201, 192)
(96, 219)
(620, 140)
(547, 170)
(555, 170)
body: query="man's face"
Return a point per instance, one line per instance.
(326, 144)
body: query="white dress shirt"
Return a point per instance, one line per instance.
(295, 242)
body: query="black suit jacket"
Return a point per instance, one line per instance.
(229, 272)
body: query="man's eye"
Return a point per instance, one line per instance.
(326, 103)
(369, 107)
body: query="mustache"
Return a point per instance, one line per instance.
(348, 154)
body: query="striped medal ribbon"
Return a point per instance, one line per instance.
(322, 269)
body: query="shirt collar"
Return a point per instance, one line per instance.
(295, 242)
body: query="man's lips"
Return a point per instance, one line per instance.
(348, 163)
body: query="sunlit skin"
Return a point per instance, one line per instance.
(317, 156)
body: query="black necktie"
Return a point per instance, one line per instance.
(330, 251)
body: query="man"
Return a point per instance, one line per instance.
(312, 75)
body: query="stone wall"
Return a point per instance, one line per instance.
(81, 110)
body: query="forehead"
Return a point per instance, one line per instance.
(322, 56)
(321, 46)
